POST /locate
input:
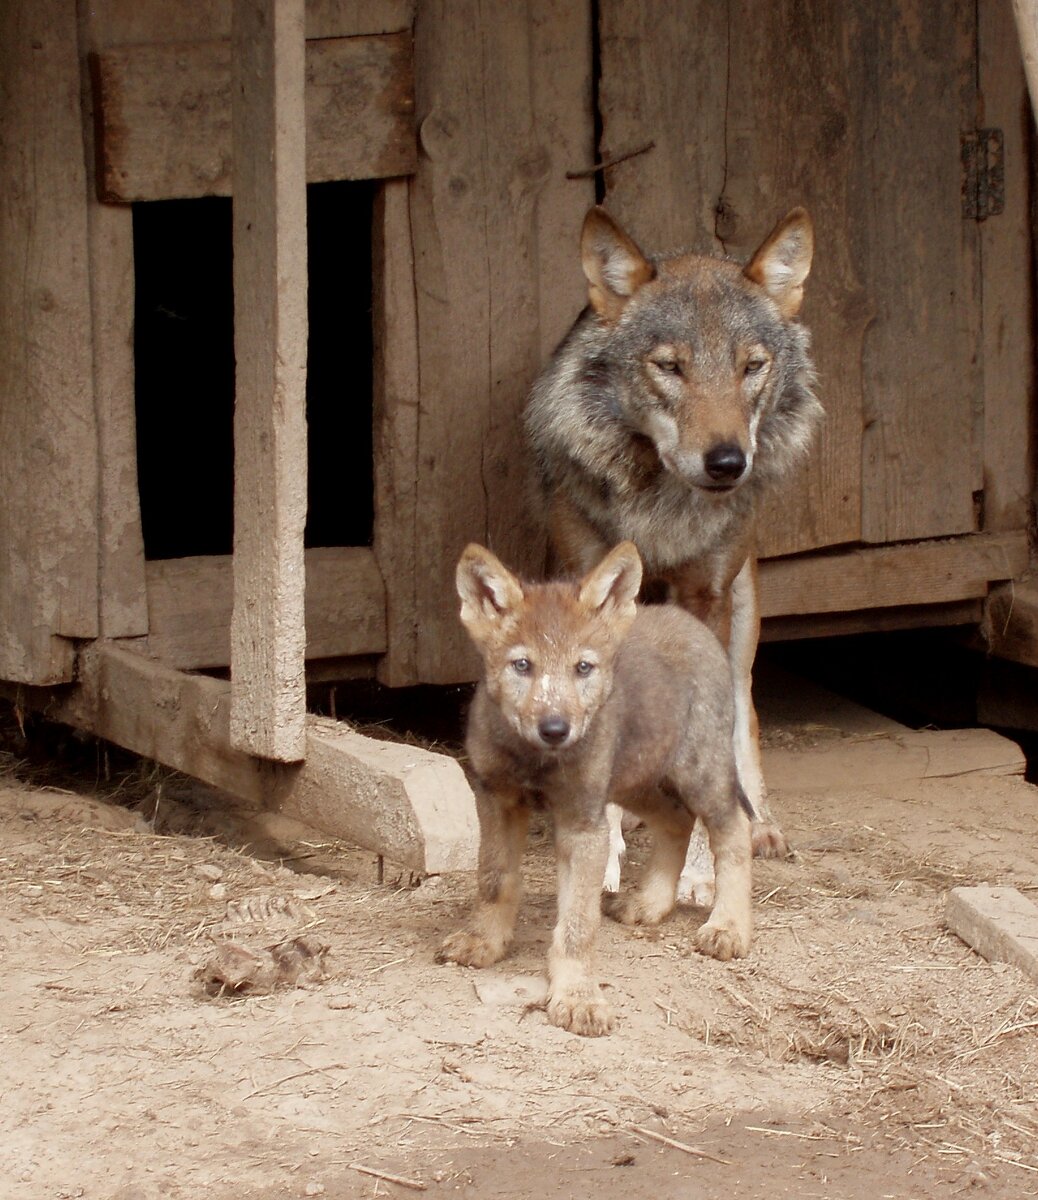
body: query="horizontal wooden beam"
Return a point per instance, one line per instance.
(873, 620)
(409, 804)
(163, 115)
(910, 573)
(189, 607)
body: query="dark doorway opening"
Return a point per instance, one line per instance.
(184, 363)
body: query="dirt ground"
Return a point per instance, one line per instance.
(861, 1050)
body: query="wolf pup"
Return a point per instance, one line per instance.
(682, 394)
(587, 698)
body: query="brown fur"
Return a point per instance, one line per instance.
(681, 395)
(588, 699)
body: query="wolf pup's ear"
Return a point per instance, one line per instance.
(488, 590)
(782, 263)
(612, 587)
(614, 266)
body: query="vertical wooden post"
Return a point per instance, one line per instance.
(268, 698)
(48, 433)
(1026, 13)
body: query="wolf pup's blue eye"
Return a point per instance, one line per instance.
(584, 667)
(521, 666)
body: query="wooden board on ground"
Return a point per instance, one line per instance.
(163, 115)
(835, 744)
(404, 802)
(1000, 923)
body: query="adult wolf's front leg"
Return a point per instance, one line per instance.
(503, 822)
(575, 1001)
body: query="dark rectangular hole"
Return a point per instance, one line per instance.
(184, 364)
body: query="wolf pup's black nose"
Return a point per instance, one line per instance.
(725, 463)
(553, 730)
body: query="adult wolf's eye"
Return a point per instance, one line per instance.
(521, 666)
(584, 667)
(670, 365)
(755, 366)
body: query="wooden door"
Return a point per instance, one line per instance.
(855, 110)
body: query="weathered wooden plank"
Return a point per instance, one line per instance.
(1006, 254)
(130, 23)
(268, 699)
(916, 573)
(190, 600)
(123, 610)
(395, 431)
(163, 115)
(786, 143)
(1026, 15)
(502, 104)
(913, 93)
(1000, 923)
(48, 446)
(407, 803)
(874, 620)
(664, 80)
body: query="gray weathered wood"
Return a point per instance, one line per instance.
(404, 802)
(1000, 923)
(131, 23)
(503, 105)
(1026, 15)
(190, 601)
(915, 573)
(122, 605)
(268, 701)
(395, 433)
(48, 436)
(164, 115)
(1006, 252)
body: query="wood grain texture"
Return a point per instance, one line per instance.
(395, 433)
(163, 115)
(954, 614)
(130, 23)
(1006, 255)
(190, 602)
(123, 610)
(914, 87)
(502, 96)
(404, 802)
(48, 435)
(934, 572)
(268, 702)
(1011, 624)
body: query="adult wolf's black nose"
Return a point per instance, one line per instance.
(553, 730)
(725, 463)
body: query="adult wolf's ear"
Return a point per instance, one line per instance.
(488, 590)
(614, 266)
(611, 589)
(782, 263)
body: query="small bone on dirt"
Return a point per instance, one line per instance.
(237, 969)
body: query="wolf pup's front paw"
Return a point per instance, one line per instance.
(581, 1009)
(470, 949)
(722, 941)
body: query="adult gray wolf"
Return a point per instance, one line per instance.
(585, 699)
(680, 398)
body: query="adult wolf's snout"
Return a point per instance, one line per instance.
(725, 464)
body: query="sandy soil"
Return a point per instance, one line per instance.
(860, 1051)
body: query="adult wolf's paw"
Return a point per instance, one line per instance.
(768, 840)
(581, 1010)
(722, 941)
(633, 908)
(469, 949)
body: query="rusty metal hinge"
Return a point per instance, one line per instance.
(983, 174)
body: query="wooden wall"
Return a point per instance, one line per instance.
(856, 111)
